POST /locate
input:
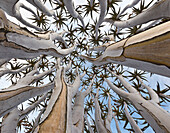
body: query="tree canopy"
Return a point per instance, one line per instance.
(84, 66)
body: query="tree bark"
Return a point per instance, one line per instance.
(148, 51)
(157, 117)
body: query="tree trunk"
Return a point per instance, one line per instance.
(148, 51)
(56, 121)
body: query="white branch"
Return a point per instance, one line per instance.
(117, 124)
(108, 119)
(124, 82)
(86, 92)
(71, 10)
(132, 4)
(56, 36)
(154, 96)
(75, 86)
(31, 107)
(60, 3)
(116, 89)
(36, 123)
(150, 25)
(3, 61)
(103, 9)
(159, 10)
(4, 70)
(20, 95)
(88, 124)
(98, 120)
(131, 120)
(66, 68)
(17, 15)
(56, 91)
(9, 124)
(31, 47)
(42, 8)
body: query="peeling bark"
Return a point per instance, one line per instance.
(148, 51)
(55, 116)
(60, 115)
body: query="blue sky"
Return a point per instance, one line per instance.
(152, 82)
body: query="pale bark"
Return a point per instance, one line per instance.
(117, 124)
(124, 82)
(60, 116)
(156, 116)
(4, 70)
(21, 43)
(78, 109)
(71, 10)
(72, 91)
(12, 8)
(22, 90)
(55, 116)
(3, 61)
(108, 119)
(152, 24)
(131, 120)
(103, 10)
(130, 5)
(88, 124)
(10, 121)
(98, 120)
(59, 37)
(148, 51)
(20, 95)
(154, 96)
(159, 10)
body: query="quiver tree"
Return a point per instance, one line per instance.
(12, 8)
(23, 90)
(159, 10)
(56, 91)
(11, 120)
(17, 42)
(148, 51)
(150, 110)
(102, 126)
(60, 115)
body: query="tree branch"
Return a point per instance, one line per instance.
(124, 82)
(131, 120)
(117, 124)
(154, 96)
(157, 11)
